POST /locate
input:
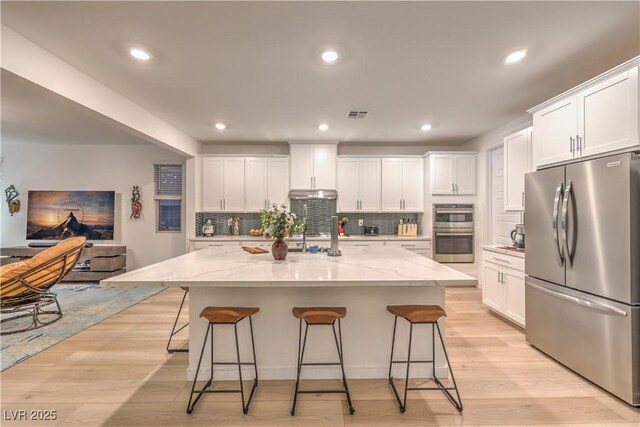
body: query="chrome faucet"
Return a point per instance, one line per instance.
(304, 228)
(335, 250)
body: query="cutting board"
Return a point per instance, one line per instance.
(255, 250)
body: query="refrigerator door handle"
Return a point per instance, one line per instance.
(590, 304)
(564, 222)
(556, 207)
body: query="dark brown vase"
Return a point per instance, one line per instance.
(279, 249)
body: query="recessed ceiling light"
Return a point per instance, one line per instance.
(516, 56)
(330, 56)
(140, 54)
(425, 127)
(323, 127)
(221, 126)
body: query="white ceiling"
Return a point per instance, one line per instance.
(256, 67)
(33, 114)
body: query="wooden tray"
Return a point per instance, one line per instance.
(255, 250)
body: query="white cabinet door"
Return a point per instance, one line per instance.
(492, 292)
(465, 174)
(516, 164)
(233, 185)
(348, 185)
(514, 304)
(368, 185)
(302, 162)
(441, 174)
(391, 194)
(212, 184)
(412, 185)
(555, 132)
(324, 166)
(608, 114)
(278, 181)
(256, 177)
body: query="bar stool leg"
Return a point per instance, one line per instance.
(300, 359)
(457, 403)
(195, 379)
(173, 330)
(340, 356)
(406, 382)
(393, 342)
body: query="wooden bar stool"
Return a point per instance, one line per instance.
(320, 316)
(173, 330)
(417, 315)
(225, 316)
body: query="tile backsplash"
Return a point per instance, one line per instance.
(318, 213)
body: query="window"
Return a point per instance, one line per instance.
(168, 195)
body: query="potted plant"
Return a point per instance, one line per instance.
(277, 222)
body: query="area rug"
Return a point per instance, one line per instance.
(83, 305)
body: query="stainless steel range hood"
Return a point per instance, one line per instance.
(313, 194)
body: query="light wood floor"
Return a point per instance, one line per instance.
(117, 373)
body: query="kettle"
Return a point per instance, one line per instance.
(517, 236)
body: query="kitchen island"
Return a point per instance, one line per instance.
(364, 280)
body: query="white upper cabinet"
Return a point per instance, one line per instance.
(402, 185)
(277, 181)
(256, 176)
(348, 195)
(233, 185)
(600, 116)
(212, 184)
(453, 174)
(238, 184)
(465, 174)
(267, 182)
(301, 166)
(517, 162)
(359, 184)
(313, 166)
(608, 114)
(412, 185)
(556, 132)
(223, 184)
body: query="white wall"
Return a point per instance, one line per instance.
(483, 145)
(92, 167)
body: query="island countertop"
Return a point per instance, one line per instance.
(233, 267)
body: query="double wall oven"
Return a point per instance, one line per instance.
(453, 233)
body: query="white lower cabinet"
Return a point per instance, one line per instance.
(503, 287)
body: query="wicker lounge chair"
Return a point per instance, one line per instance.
(25, 285)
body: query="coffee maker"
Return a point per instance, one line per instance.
(517, 236)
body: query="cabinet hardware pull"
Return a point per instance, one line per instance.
(571, 144)
(502, 260)
(579, 142)
(523, 199)
(453, 188)
(220, 204)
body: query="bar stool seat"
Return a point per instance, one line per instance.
(319, 315)
(227, 314)
(417, 313)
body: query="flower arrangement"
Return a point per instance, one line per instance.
(278, 222)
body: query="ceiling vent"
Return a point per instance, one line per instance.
(358, 114)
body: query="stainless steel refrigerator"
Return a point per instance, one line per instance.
(583, 269)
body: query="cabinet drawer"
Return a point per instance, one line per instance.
(503, 260)
(202, 245)
(360, 244)
(411, 244)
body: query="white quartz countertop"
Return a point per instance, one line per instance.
(224, 238)
(498, 249)
(233, 267)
